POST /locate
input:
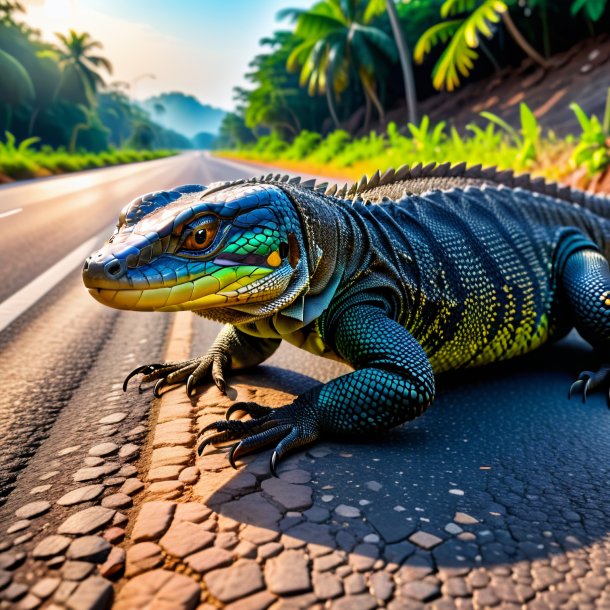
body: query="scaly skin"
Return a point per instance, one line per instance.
(460, 268)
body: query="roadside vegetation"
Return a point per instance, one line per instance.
(59, 113)
(22, 161)
(321, 92)
(582, 159)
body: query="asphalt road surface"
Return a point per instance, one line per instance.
(503, 442)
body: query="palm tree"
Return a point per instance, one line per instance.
(336, 39)
(462, 34)
(376, 8)
(76, 59)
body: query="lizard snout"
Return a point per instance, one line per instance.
(103, 267)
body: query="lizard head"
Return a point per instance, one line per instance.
(236, 246)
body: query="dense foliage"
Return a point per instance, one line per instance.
(338, 66)
(21, 161)
(58, 94)
(524, 148)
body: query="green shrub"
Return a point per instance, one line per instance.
(330, 146)
(303, 145)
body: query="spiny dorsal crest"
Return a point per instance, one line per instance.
(363, 190)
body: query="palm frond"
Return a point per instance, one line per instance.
(457, 7)
(439, 33)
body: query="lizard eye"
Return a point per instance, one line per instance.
(201, 237)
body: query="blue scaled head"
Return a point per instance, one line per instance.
(233, 246)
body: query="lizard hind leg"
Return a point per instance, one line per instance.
(586, 282)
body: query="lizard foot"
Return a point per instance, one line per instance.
(589, 381)
(211, 367)
(291, 426)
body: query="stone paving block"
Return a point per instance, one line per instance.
(159, 589)
(288, 495)
(95, 472)
(33, 509)
(131, 486)
(259, 535)
(164, 473)
(86, 521)
(76, 570)
(195, 512)
(170, 456)
(243, 578)
(420, 590)
(258, 601)
(327, 586)
(114, 562)
(363, 557)
(89, 548)
(381, 586)
(95, 593)
(81, 494)
(142, 557)
(288, 573)
(117, 500)
(189, 475)
(171, 411)
(185, 538)
(253, 508)
(209, 559)
(51, 546)
(165, 490)
(45, 587)
(153, 521)
(425, 540)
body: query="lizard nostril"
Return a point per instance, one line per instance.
(114, 269)
(86, 267)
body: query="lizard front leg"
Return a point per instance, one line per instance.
(231, 350)
(393, 383)
(586, 282)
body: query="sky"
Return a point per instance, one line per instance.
(199, 47)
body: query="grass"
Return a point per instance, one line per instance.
(22, 161)
(579, 159)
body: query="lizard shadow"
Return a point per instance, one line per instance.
(501, 469)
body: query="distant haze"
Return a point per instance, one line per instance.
(184, 113)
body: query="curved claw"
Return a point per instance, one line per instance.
(575, 387)
(273, 463)
(231, 456)
(586, 389)
(158, 387)
(190, 385)
(145, 369)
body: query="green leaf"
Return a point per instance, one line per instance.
(494, 118)
(529, 124)
(456, 7)
(594, 9)
(581, 116)
(439, 33)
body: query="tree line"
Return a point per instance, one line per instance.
(59, 93)
(342, 64)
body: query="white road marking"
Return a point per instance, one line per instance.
(21, 301)
(10, 212)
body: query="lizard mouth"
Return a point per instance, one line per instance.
(226, 287)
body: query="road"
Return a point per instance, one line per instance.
(502, 445)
